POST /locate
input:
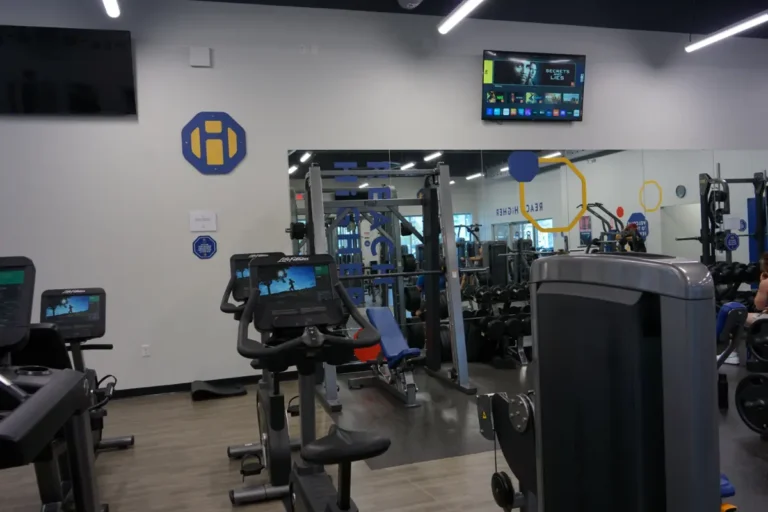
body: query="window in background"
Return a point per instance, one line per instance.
(501, 233)
(545, 241)
(459, 219)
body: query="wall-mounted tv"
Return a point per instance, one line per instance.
(533, 86)
(62, 71)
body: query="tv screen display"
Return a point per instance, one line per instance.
(52, 71)
(533, 86)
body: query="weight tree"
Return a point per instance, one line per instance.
(437, 208)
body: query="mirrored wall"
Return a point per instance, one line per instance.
(657, 191)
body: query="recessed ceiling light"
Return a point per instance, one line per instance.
(364, 185)
(407, 166)
(474, 176)
(306, 156)
(433, 156)
(293, 169)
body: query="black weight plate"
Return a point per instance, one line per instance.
(752, 402)
(503, 490)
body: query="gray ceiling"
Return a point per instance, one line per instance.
(684, 16)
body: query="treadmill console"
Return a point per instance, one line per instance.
(295, 292)
(80, 314)
(240, 273)
(17, 286)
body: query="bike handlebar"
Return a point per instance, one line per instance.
(312, 337)
(226, 306)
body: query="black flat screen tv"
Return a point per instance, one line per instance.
(63, 71)
(533, 86)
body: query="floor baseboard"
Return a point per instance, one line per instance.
(184, 387)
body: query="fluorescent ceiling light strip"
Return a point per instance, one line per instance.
(553, 155)
(364, 185)
(292, 169)
(728, 32)
(458, 14)
(452, 182)
(306, 156)
(504, 169)
(433, 156)
(474, 176)
(112, 8)
(407, 166)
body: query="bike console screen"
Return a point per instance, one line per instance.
(11, 283)
(295, 291)
(79, 314)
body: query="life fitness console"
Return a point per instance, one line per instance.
(80, 314)
(293, 302)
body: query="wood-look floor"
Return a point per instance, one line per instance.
(180, 463)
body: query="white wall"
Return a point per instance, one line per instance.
(104, 202)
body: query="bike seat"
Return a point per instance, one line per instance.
(341, 445)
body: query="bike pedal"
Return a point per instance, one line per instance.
(251, 467)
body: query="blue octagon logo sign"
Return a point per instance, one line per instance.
(213, 143)
(204, 247)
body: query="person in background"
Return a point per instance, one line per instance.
(761, 304)
(474, 261)
(761, 297)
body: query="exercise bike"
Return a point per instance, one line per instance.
(294, 323)
(273, 450)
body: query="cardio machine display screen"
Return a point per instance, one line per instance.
(74, 309)
(11, 282)
(78, 315)
(242, 286)
(309, 282)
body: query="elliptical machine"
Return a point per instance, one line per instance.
(273, 450)
(295, 320)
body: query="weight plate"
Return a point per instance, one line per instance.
(752, 402)
(503, 490)
(758, 342)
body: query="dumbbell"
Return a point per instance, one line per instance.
(525, 326)
(727, 273)
(752, 272)
(740, 274)
(481, 294)
(495, 329)
(512, 327)
(500, 294)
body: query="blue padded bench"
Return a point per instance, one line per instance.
(393, 344)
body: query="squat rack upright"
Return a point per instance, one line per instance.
(715, 202)
(437, 208)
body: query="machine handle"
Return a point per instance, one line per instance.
(226, 306)
(312, 337)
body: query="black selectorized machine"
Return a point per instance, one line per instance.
(294, 303)
(43, 411)
(272, 452)
(639, 437)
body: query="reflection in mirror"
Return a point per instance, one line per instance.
(650, 200)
